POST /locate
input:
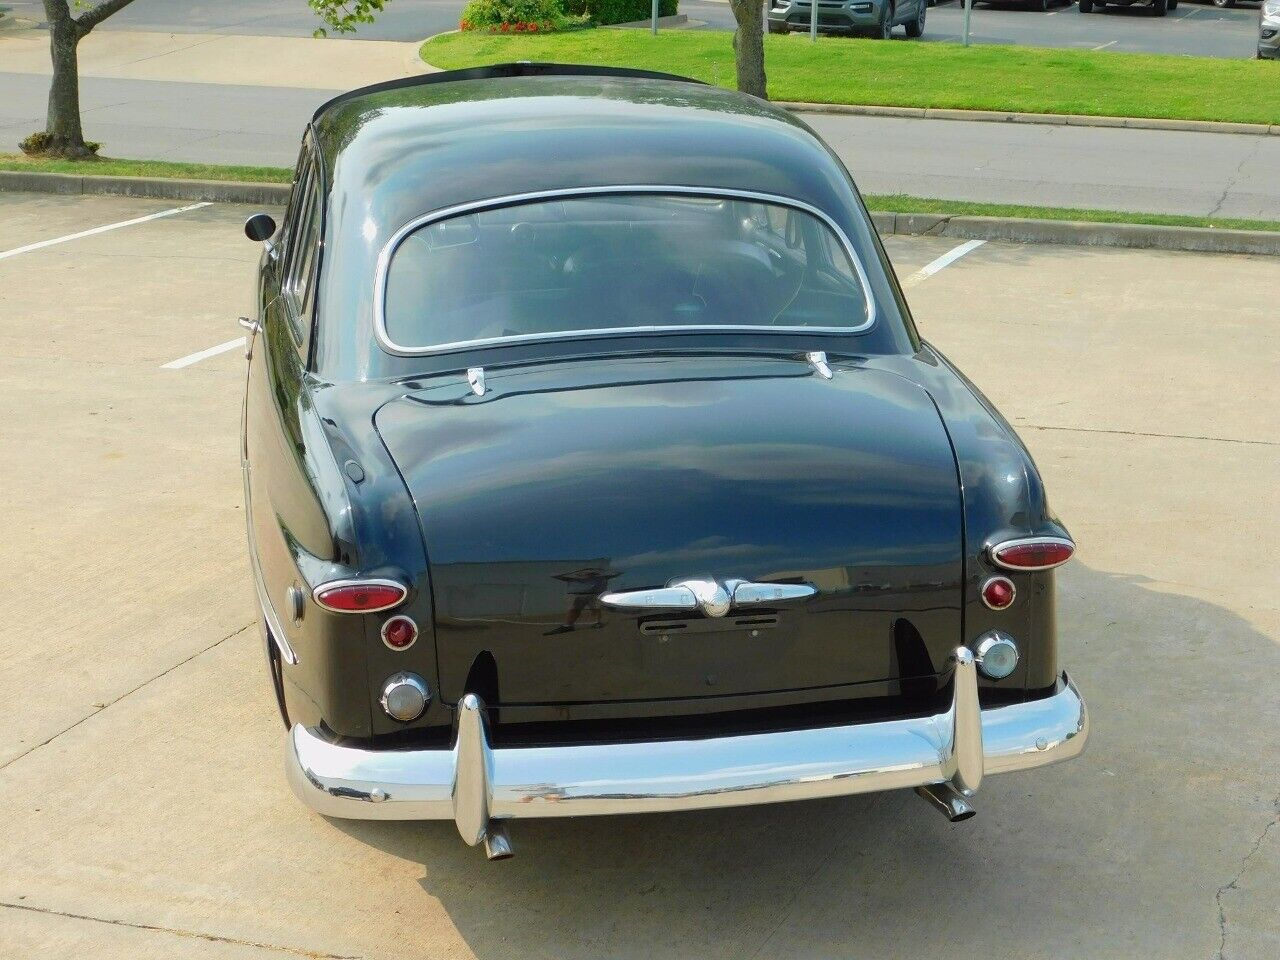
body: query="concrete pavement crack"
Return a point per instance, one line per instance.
(1143, 433)
(1244, 865)
(1235, 177)
(127, 693)
(167, 53)
(194, 934)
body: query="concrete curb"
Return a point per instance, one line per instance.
(217, 191)
(1080, 234)
(1052, 119)
(1010, 229)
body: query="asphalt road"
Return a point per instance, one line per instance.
(1145, 170)
(142, 793)
(1196, 29)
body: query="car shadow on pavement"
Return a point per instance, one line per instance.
(1123, 852)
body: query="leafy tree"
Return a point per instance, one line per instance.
(63, 135)
(748, 45)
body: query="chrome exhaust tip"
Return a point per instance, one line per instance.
(948, 801)
(497, 844)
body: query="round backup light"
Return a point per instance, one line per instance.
(399, 633)
(997, 655)
(998, 593)
(405, 696)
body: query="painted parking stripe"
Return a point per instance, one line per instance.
(4, 254)
(948, 258)
(196, 357)
(1103, 46)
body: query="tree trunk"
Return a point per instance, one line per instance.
(63, 135)
(748, 46)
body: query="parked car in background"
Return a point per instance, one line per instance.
(1158, 7)
(594, 465)
(869, 18)
(1269, 31)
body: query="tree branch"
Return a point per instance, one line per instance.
(91, 18)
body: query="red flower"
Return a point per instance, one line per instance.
(506, 27)
(533, 27)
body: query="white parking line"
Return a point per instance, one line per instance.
(948, 258)
(191, 358)
(103, 229)
(1103, 46)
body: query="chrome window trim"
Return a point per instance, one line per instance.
(994, 549)
(389, 250)
(360, 582)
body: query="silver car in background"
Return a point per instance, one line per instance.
(1269, 31)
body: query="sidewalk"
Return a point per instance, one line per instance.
(299, 62)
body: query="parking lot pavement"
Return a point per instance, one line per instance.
(160, 824)
(1195, 29)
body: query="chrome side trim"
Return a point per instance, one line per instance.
(274, 627)
(474, 783)
(389, 249)
(1022, 541)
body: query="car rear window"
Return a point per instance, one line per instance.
(598, 264)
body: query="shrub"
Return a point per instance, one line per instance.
(517, 16)
(605, 12)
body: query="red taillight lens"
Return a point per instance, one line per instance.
(998, 593)
(1033, 553)
(367, 596)
(399, 633)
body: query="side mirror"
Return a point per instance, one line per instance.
(260, 227)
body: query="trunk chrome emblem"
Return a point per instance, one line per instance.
(713, 598)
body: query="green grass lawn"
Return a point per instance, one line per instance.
(844, 70)
(105, 167)
(894, 203)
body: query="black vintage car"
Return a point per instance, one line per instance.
(594, 465)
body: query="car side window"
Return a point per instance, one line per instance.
(302, 256)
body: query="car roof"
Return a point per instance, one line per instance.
(396, 152)
(431, 142)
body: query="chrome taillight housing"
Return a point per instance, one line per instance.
(1032, 553)
(360, 596)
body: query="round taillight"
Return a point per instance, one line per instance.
(998, 593)
(399, 633)
(1032, 553)
(360, 596)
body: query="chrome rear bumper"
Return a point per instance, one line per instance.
(474, 783)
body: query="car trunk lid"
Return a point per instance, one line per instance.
(565, 482)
